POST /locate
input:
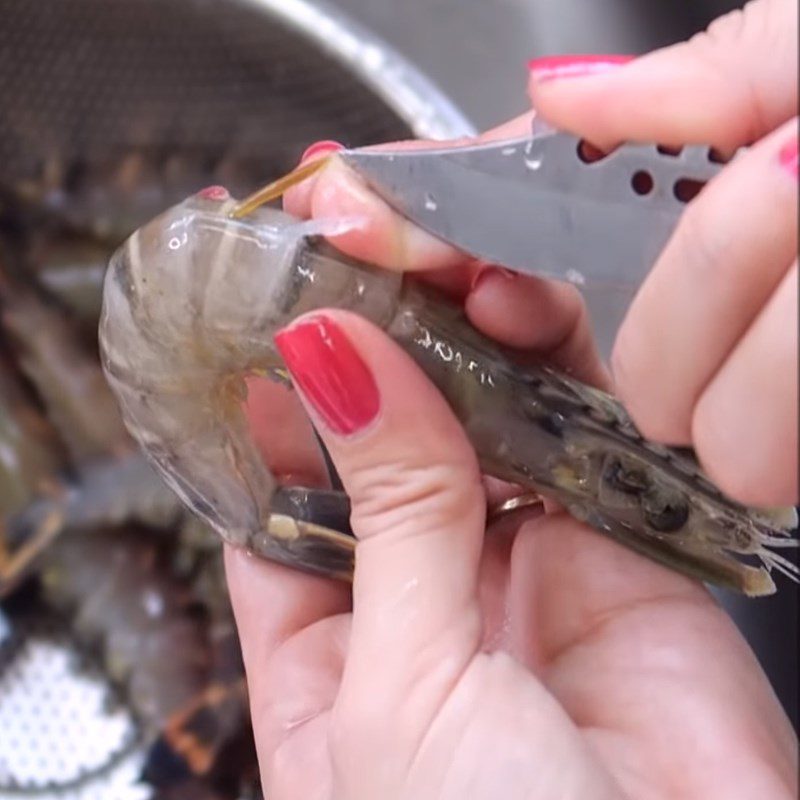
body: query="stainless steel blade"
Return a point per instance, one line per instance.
(535, 205)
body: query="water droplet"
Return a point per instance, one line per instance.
(508, 151)
(533, 163)
(153, 603)
(430, 203)
(573, 276)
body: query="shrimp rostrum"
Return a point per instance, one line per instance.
(191, 304)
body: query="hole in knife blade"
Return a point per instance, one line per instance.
(642, 182)
(588, 153)
(686, 189)
(716, 156)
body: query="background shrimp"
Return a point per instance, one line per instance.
(155, 615)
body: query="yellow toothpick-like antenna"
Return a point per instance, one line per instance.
(277, 188)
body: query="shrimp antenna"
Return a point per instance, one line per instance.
(277, 188)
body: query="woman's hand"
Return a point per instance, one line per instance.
(708, 354)
(546, 661)
(534, 663)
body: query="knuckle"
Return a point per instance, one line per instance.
(730, 44)
(395, 494)
(726, 30)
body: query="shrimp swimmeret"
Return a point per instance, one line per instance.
(192, 301)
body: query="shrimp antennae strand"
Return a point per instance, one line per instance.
(277, 188)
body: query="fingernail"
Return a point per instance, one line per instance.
(214, 193)
(330, 373)
(788, 157)
(489, 271)
(319, 148)
(552, 67)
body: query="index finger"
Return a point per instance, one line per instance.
(386, 238)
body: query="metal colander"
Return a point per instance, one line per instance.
(111, 110)
(99, 96)
(64, 735)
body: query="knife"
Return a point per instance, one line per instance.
(538, 205)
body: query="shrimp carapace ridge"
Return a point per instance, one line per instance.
(191, 304)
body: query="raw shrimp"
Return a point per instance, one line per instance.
(27, 447)
(178, 665)
(103, 492)
(126, 605)
(40, 494)
(71, 384)
(71, 269)
(191, 304)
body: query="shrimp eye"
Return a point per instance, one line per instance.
(665, 512)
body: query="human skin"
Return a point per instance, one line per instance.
(708, 353)
(540, 660)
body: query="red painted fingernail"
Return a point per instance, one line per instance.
(330, 373)
(487, 272)
(788, 157)
(327, 146)
(214, 193)
(552, 67)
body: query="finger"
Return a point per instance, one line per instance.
(730, 251)
(385, 238)
(290, 449)
(272, 603)
(727, 86)
(297, 200)
(745, 423)
(291, 713)
(567, 581)
(292, 638)
(456, 281)
(546, 317)
(626, 644)
(418, 511)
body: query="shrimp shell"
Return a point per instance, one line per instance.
(191, 304)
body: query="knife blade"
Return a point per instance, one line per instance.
(537, 205)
